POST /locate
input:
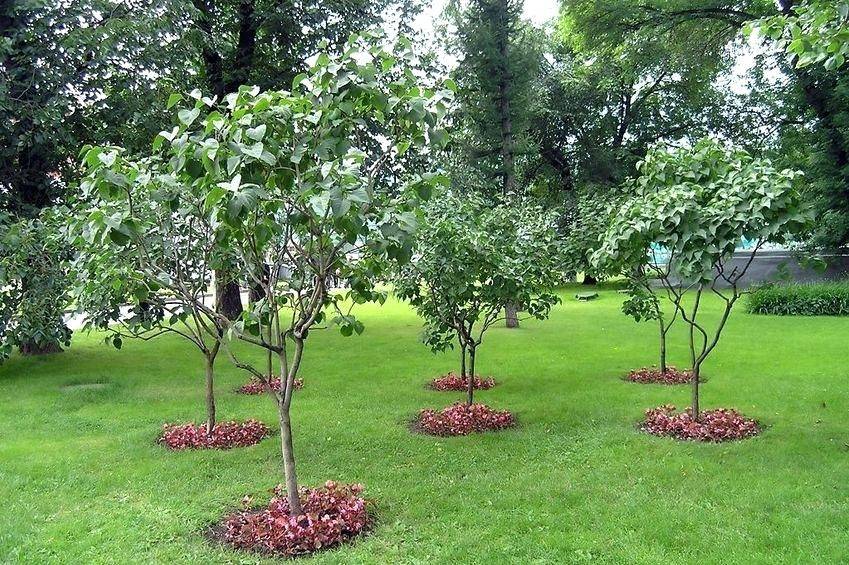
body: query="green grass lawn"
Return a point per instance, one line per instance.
(83, 481)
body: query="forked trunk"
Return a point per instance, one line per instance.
(289, 460)
(470, 390)
(511, 315)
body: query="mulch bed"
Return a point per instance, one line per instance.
(225, 435)
(653, 375)
(256, 386)
(717, 425)
(461, 419)
(454, 382)
(333, 515)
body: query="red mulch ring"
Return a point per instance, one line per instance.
(461, 419)
(453, 381)
(256, 386)
(225, 435)
(653, 375)
(721, 424)
(333, 514)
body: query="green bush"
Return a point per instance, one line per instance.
(816, 299)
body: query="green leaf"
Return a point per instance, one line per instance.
(188, 117)
(173, 99)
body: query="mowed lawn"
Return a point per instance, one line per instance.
(83, 481)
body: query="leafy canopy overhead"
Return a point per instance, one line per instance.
(816, 31)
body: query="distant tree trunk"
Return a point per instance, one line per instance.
(470, 390)
(33, 348)
(228, 300)
(256, 292)
(511, 315)
(662, 346)
(590, 280)
(506, 119)
(210, 388)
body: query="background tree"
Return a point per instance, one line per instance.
(698, 204)
(33, 286)
(498, 62)
(470, 258)
(807, 130)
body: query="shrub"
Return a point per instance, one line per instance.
(332, 515)
(717, 425)
(653, 375)
(453, 381)
(256, 386)
(462, 419)
(818, 299)
(225, 435)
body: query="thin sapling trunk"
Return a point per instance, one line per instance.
(210, 387)
(471, 384)
(284, 401)
(462, 361)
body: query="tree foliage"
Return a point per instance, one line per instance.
(814, 31)
(697, 205)
(33, 286)
(286, 183)
(471, 258)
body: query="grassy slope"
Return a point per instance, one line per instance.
(82, 480)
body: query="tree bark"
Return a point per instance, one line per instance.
(470, 390)
(289, 459)
(228, 300)
(662, 347)
(210, 389)
(462, 361)
(507, 145)
(695, 401)
(33, 348)
(511, 315)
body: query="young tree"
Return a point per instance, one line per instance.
(469, 258)
(698, 204)
(290, 182)
(146, 252)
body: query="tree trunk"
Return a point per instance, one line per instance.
(462, 361)
(470, 391)
(662, 348)
(33, 348)
(210, 392)
(506, 119)
(228, 301)
(589, 280)
(695, 402)
(289, 460)
(511, 315)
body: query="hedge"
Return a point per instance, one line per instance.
(815, 299)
